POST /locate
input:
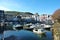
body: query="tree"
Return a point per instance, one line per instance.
(28, 13)
(56, 26)
(56, 15)
(17, 13)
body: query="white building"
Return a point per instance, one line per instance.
(45, 17)
(36, 17)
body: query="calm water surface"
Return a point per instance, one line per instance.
(48, 36)
(26, 35)
(20, 35)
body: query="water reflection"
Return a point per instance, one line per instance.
(26, 35)
(0, 36)
(47, 36)
(20, 35)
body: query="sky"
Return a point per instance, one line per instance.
(33, 6)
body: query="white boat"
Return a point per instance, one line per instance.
(47, 26)
(32, 26)
(38, 31)
(17, 27)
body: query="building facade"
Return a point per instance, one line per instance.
(2, 16)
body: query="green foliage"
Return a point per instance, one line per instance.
(18, 13)
(56, 15)
(28, 13)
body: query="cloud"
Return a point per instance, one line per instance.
(4, 8)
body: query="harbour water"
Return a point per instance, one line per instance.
(24, 34)
(0, 36)
(48, 36)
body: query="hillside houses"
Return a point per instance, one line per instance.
(23, 18)
(27, 16)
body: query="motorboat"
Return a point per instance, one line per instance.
(17, 27)
(39, 31)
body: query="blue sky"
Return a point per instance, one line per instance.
(34, 6)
